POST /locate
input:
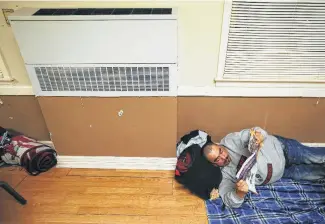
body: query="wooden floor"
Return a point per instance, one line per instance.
(98, 196)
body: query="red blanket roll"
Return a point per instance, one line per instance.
(26, 152)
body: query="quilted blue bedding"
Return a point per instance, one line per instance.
(286, 201)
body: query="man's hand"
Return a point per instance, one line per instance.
(257, 141)
(214, 194)
(241, 188)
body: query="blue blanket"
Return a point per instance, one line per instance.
(286, 201)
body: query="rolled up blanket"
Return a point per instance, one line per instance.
(26, 152)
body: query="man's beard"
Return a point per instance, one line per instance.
(227, 161)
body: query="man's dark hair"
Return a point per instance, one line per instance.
(207, 148)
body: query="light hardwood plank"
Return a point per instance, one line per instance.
(73, 183)
(117, 219)
(12, 175)
(144, 209)
(161, 190)
(121, 173)
(55, 172)
(100, 196)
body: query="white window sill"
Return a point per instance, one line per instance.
(10, 89)
(244, 89)
(6, 80)
(221, 89)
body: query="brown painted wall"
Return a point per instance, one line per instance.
(150, 126)
(23, 113)
(91, 126)
(300, 118)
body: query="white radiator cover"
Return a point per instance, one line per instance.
(94, 44)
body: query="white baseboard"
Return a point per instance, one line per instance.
(116, 162)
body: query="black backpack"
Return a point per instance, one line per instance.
(193, 171)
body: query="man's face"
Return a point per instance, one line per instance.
(219, 156)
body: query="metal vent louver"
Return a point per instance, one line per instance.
(275, 40)
(102, 11)
(102, 79)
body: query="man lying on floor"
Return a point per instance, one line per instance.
(276, 157)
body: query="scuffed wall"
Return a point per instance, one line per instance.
(126, 126)
(299, 118)
(23, 113)
(151, 126)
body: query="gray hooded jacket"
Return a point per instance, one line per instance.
(270, 163)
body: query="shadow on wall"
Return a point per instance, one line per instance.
(299, 118)
(23, 114)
